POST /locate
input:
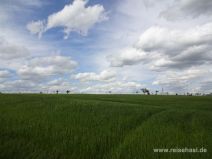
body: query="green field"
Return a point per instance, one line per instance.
(103, 126)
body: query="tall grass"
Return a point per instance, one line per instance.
(103, 126)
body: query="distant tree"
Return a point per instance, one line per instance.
(156, 92)
(145, 91)
(57, 91)
(67, 91)
(189, 94)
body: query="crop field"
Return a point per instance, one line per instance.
(104, 126)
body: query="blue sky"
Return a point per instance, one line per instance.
(97, 46)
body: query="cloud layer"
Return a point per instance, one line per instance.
(9, 51)
(178, 48)
(40, 68)
(106, 75)
(191, 8)
(146, 43)
(75, 17)
(163, 47)
(114, 87)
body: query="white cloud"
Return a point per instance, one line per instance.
(16, 48)
(174, 57)
(37, 27)
(162, 47)
(18, 86)
(31, 86)
(171, 54)
(190, 80)
(129, 56)
(106, 75)
(192, 8)
(173, 78)
(171, 40)
(58, 84)
(9, 51)
(177, 48)
(75, 17)
(40, 68)
(114, 87)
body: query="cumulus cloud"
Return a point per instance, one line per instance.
(40, 68)
(162, 47)
(106, 75)
(75, 17)
(129, 56)
(177, 58)
(114, 87)
(177, 48)
(171, 78)
(185, 80)
(182, 8)
(17, 86)
(36, 27)
(165, 55)
(9, 51)
(31, 86)
(59, 84)
(172, 40)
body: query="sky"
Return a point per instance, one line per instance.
(101, 46)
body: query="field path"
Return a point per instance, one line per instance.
(129, 134)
